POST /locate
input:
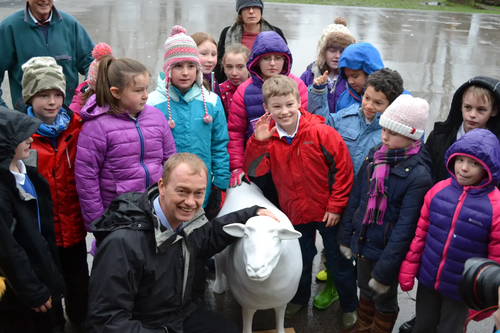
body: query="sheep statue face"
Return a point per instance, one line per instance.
(261, 240)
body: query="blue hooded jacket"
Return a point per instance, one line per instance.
(362, 56)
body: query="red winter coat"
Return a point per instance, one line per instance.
(57, 166)
(313, 175)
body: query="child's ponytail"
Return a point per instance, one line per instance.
(103, 93)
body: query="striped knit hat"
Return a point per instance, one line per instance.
(180, 47)
(100, 51)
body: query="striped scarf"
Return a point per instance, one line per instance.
(377, 197)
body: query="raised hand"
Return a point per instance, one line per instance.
(262, 131)
(321, 79)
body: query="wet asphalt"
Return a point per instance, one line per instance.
(435, 52)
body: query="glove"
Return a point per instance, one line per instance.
(236, 177)
(215, 202)
(378, 287)
(346, 251)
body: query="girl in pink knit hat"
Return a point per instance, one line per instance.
(87, 87)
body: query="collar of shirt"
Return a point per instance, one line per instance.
(283, 133)
(20, 177)
(38, 22)
(163, 218)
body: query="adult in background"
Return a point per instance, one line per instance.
(41, 30)
(147, 245)
(246, 28)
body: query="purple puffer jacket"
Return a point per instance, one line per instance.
(118, 154)
(335, 90)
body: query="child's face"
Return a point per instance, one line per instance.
(23, 150)
(47, 104)
(469, 171)
(356, 79)
(476, 112)
(284, 110)
(393, 140)
(235, 68)
(134, 97)
(332, 57)
(184, 75)
(271, 65)
(373, 102)
(208, 56)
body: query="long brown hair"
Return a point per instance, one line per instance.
(119, 73)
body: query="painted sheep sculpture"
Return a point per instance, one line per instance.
(263, 267)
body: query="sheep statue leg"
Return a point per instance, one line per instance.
(248, 318)
(219, 285)
(280, 318)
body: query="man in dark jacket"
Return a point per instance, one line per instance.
(144, 266)
(28, 252)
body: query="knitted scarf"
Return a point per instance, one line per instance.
(60, 124)
(377, 197)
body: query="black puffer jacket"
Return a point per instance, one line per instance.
(445, 132)
(28, 257)
(142, 274)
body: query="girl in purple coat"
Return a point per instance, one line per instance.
(334, 39)
(124, 142)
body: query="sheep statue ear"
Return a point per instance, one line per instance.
(287, 234)
(234, 229)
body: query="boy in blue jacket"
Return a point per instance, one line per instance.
(359, 126)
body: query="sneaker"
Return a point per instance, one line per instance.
(292, 309)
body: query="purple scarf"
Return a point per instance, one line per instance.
(377, 200)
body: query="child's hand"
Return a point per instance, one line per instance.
(331, 219)
(321, 80)
(262, 131)
(266, 212)
(45, 307)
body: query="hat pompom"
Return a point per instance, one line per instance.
(177, 29)
(171, 123)
(101, 50)
(207, 119)
(340, 20)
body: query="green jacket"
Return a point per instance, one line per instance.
(67, 42)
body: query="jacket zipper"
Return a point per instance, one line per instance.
(142, 152)
(67, 155)
(450, 235)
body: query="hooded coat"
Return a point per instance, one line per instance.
(28, 257)
(313, 174)
(247, 106)
(117, 154)
(388, 243)
(143, 273)
(445, 132)
(357, 56)
(457, 222)
(192, 134)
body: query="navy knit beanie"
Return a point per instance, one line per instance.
(240, 4)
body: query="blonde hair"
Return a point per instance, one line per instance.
(278, 86)
(195, 163)
(236, 48)
(202, 37)
(481, 94)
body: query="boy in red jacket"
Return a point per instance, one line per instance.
(313, 174)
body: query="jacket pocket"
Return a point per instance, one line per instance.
(348, 133)
(387, 233)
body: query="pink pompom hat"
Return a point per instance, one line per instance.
(100, 51)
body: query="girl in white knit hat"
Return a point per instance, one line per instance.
(381, 216)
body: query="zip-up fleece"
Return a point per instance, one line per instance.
(313, 174)
(117, 154)
(457, 222)
(57, 165)
(143, 273)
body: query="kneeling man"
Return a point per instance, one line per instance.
(146, 248)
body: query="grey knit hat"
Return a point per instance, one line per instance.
(42, 73)
(240, 4)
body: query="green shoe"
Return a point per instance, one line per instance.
(321, 276)
(292, 309)
(328, 295)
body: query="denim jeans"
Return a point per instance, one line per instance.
(344, 273)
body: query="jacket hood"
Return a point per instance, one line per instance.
(455, 119)
(482, 145)
(362, 56)
(15, 127)
(268, 42)
(161, 86)
(91, 110)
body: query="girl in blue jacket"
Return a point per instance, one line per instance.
(195, 114)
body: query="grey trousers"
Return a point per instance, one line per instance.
(439, 314)
(387, 302)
